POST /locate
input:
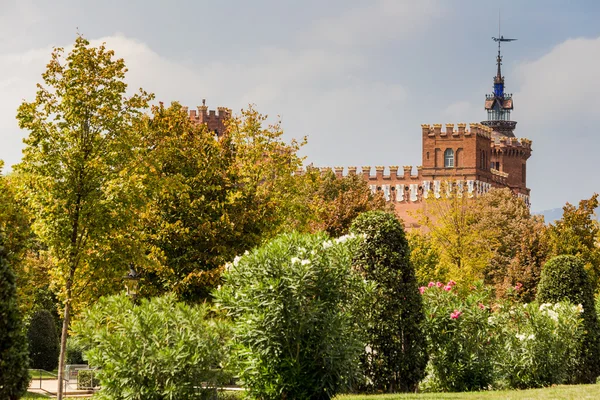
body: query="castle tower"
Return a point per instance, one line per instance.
(215, 121)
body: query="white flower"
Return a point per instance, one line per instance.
(305, 262)
(579, 308)
(531, 337)
(313, 252)
(544, 306)
(246, 253)
(552, 314)
(236, 261)
(344, 238)
(295, 260)
(327, 244)
(228, 267)
(525, 305)
(520, 336)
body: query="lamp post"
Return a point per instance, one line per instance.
(132, 281)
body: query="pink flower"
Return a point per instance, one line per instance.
(481, 306)
(518, 286)
(431, 284)
(447, 288)
(422, 289)
(451, 283)
(439, 284)
(455, 314)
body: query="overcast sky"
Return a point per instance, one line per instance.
(357, 77)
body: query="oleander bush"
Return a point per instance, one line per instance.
(296, 306)
(540, 343)
(463, 341)
(476, 343)
(564, 278)
(158, 349)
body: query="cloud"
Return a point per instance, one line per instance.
(321, 85)
(557, 105)
(376, 22)
(563, 83)
(462, 111)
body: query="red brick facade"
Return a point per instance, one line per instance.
(454, 160)
(215, 121)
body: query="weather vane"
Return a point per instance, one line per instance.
(500, 38)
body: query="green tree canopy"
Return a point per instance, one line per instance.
(76, 171)
(578, 233)
(212, 198)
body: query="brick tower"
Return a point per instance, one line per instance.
(215, 121)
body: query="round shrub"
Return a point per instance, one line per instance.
(43, 341)
(159, 349)
(396, 354)
(564, 278)
(14, 376)
(294, 303)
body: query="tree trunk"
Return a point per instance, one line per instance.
(63, 343)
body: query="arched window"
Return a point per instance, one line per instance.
(449, 158)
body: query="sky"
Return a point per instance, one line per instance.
(358, 78)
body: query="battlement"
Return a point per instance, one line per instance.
(393, 172)
(512, 146)
(215, 120)
(475, 129)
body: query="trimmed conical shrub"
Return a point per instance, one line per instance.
(397, 355)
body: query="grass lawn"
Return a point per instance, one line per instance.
(30, 395)
(35, 374)
(563, 392)
(555, 392)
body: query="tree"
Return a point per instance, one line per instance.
(578, 233)
(517, 242)
(212, 198)
(397, 353)
(564, 278)
(331, 203)
(450, 227)
(43, 341)
(493, 238)
(296, 306)
(14, 376)
(159, 349)
(75, 169)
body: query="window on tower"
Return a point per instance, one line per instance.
(449, 158)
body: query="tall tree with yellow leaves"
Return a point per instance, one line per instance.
(75, 170)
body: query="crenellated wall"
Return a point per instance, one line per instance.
(472, 173)
(214, 120)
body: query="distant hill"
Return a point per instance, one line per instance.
(555, 214)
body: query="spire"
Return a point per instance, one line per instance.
(500, 104)
(499, 79)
